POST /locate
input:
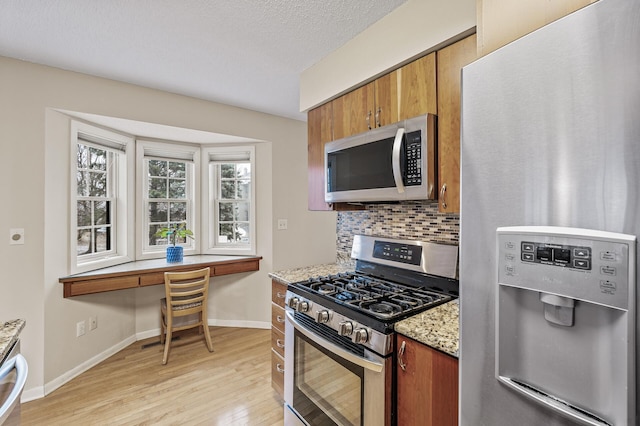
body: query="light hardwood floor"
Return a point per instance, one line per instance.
(230, 386)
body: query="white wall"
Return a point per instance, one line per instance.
(415, 27)
(34, 191)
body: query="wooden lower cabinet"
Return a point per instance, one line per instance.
(278, 292)
(427, 386)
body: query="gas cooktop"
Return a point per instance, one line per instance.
(375, 297)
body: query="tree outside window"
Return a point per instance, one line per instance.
(234, 203)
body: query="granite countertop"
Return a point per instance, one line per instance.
(437, 327)
(289, 276)
(9, 332)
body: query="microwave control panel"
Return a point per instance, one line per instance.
(412, 175)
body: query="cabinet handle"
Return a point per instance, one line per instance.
(378, 123)
(369, 120)
(443, 190)
(401, 362)
(279, 368)
(279, 318)
(280, 295)
(279, 343)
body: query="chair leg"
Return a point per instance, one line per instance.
(163, 329)
(205, 330)
(167, 345)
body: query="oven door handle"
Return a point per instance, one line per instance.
(359, 361)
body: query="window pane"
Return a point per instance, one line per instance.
(84, 242)
(158, 212)
(226, 233)
(226, 212)
(97, 184)
(102, 239)
(243, 170)
(242, 232)
(177, 169)
(242, 211)
(157, 240)
(228, 190)
(157, 188)
(177, 188)
(97, 159)
(157, 168)
(101, 213)
(82, 157)
(244, 190)
(178, 212)
(84, 213)
(82, 183)
(227, 171)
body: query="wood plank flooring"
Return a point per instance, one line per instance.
(230, 386)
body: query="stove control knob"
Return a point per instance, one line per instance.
(322, 316)
(346, 328)
(302, 306)
(360, 335)
(293, 303)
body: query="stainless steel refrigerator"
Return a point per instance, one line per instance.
(550, 211)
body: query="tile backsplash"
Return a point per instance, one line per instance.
(405, 220)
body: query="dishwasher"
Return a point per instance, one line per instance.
(13, 375)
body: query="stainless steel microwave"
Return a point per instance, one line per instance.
(392, 163)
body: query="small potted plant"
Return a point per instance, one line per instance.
(172, 232)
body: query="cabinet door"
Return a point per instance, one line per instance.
(386, 99)
(427, 386)
(320, 131)
(417, 81)
(353, 112)
(451, 59)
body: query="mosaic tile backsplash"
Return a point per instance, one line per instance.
(406, 220)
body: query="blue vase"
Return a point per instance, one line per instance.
(175, 254)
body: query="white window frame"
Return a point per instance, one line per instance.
(167, 151)
(212, 155)
(122, 192)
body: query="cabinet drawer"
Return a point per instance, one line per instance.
(235, 268)
(99, 286)
(277, 317)
(277, 373)
(277, 341)
(278, 293)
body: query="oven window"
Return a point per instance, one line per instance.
(327, 389)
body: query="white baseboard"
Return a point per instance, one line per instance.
(41, 391)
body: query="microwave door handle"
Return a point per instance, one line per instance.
(395, 160)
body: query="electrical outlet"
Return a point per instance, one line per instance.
(80, 329)
(282, 224)
(93, 323)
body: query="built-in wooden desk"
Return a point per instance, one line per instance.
(151, 272)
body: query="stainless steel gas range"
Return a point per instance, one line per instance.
(339, 329)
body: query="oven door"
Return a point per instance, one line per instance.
(328, 384)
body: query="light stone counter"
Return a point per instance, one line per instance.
(9, 332)
(299, 274)
(437, 327)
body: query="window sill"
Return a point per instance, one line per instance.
(144, 273)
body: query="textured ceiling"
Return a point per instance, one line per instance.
(247, 53)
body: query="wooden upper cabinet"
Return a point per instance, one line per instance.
(353, 112)
(385, 109)
(417, 87)
(320, 131)
(451, 59)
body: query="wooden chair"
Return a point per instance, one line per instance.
(185, 294)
